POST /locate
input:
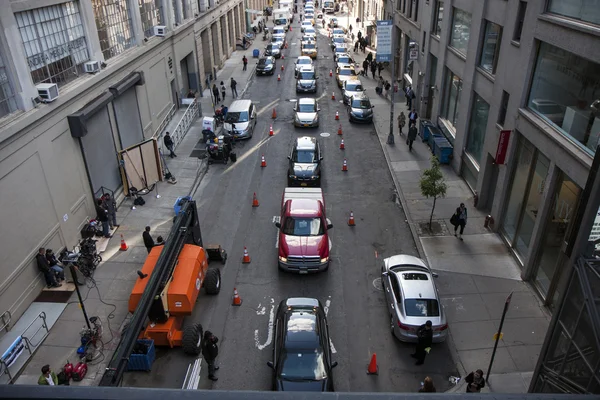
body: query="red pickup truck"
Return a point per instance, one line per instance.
(303, 226)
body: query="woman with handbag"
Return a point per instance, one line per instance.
(459, 219)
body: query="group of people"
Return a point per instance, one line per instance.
(106, 214)
(220, 95)
(149, 241)
(360, 43)
(47, 263)
(475, 382)
(412, 126)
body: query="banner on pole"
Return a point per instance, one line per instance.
(384, 40)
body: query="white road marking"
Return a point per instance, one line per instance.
(261, 310)
(276, 219)
(270, 334)
(326, 309)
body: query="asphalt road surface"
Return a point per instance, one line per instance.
(350, 290)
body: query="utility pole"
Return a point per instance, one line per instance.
(390, 138)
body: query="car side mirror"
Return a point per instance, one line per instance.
(384, 274)
(329, 226)
(289, 157)
(435, 275)
(321, 158)
(335, 364)
(278, 224)
(318, 109)
(316, 77)
(372, 106)
(270, 364)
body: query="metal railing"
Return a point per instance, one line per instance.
(164, 122)
(190, 115)
(6, 317)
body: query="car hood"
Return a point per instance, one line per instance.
(305, 245)
(264, 66)
(306, 116)
(239, 126)
(302, 386)
(350, 93)
(362, 111)
(306, 82)
(275, 50)
(304, 169)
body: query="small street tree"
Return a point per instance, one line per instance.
(433, 184)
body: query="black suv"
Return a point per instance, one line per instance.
(266, 66)
(305, 162)
(301, 350)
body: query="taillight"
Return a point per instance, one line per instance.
(403, 327)
(441, 328)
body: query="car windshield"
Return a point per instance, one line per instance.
(302, 226)
(338, 40)
(265, 61)
(307, 108)
(354, 87)
(422, 307)
(303, 365)
(306, 75)
(309, 46)
(347, 72)
(281, 21)
(340, 49)
(234, 117)
(276, 39)
(279, 31)
(345, 60)
(306, 23)
(304, 156)
(310, 30)
(304, 61)
(364, 104)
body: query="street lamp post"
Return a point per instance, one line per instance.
(390, 138)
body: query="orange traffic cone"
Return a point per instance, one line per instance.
(278, 77)
(246, 258)
(283, 56)
(263, 162)
(237, 300)
(271, 127)
(290, 28)
(274, 113)
(254, 201)
(345, 166)
(373, 369)
(330, 73)
(351, 219)
(332, 95)
(282, 68)
(124, 246)
(342, 147)
(337, 116)
(340, 130)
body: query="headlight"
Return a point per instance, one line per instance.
(323, 260)
(282, 259)
(292, 176)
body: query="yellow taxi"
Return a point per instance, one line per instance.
(344, 73)
(309, 48)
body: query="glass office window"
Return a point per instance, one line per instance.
(452, 91)
(438, 17)
(564, 92)
(7, 95)
(151, 14)
(520, 21)
(584, 10)
(113, 21)
(476, 136)
(461, 29)
(490, 47)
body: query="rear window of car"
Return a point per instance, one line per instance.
(422, 307)
(347, 72)
(309, 46)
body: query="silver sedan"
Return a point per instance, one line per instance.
(412, 298)
(306, 113)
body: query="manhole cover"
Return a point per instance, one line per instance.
(325, 134)
(377, 284)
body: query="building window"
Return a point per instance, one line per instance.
(54, 42)
(503, 108)
(584, 10)
(452, 91)
(438, 17)
(520, 21)
(423, 42)
(7, 95)
(416, 7)
(151, 13)
(477, 127)
(410, 8)
(564, 93)
(490, 48)
(113, 21)
(461, 29)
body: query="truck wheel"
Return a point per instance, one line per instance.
(212, 281)
(192, 339)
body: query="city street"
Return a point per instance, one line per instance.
(350, 290)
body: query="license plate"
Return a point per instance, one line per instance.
(303, 272)
(303, 184)
(305, 125)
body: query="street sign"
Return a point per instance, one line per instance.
(502, 149)
(413, 54)
(384, 40)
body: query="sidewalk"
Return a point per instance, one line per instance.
(475, 275)
(107, 296)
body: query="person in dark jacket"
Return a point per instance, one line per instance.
(412, 117)
(59, 272)
(379, 68)
(475, 381)
(215, 91)
(44, 267)
(233, 86)
(373, 67)
(102, 216)
(223, 90)
(424, 340)
(111, 206)
(427, 386)
(169, 144)
(210, 351)
(148, 241)
(460, 219)
(411, 137)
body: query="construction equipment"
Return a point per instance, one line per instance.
(161, 299)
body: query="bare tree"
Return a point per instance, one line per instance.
(433, 184)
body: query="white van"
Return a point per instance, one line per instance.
(329, 6)
(286, 4)
(282, 17)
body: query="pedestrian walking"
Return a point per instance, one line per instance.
(459, 219)
(386, 86)
(210, 351)
(475, 381)
(370, 55)
(410, 96)
(148, 241)
(48, 377)
(411, 137)
(407, 92)
(401, 121)
(427, 386)
(44, 267)
(111, 206)
(245, 61)
(424, 340)
(215, 91)
(169, 144)
(223, 90)
(350, 28)
(102, 216)
(365, 70)
(359, 35)
(412, 117)
(233, 86)
(352, 37)
(373, 68)
(356, 44)
(244, 42)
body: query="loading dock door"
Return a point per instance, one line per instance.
(127, 115)
(100, 152)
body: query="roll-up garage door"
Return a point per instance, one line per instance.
(100, 152)
(127, 115)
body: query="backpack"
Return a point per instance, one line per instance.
(388, 86)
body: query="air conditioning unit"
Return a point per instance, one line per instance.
(91, 67)
(160, 30)
(47, 91)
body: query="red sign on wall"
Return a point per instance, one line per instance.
(502, 147)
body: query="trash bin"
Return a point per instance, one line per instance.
(177, 205)
(434, 133)
(255, 53)
(142, 362)
(443, 150)
(424, 126)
